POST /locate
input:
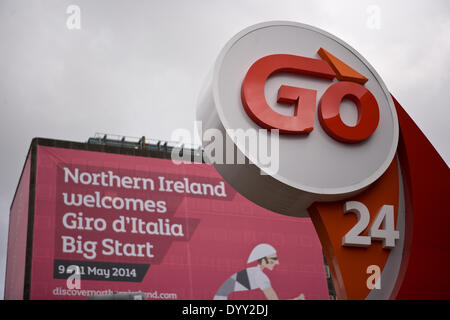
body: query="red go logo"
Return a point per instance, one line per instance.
(350, 86)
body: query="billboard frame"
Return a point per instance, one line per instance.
(160, 150)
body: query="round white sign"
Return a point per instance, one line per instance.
(321, 94)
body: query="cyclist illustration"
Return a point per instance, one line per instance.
(254, 277)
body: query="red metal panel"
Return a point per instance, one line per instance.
(426, 261)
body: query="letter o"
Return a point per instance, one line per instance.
(114, 203)
(368, 113)
(99, 224)
(85, 178)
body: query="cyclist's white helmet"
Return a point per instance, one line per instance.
(260, 251)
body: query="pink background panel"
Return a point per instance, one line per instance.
(219, 242)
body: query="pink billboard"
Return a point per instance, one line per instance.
(129, 223)
(17, 236)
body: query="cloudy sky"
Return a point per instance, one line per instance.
(136, 67)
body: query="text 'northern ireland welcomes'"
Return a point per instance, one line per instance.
(101, 213)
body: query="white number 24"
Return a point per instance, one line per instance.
(382, 227)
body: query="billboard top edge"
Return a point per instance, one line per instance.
(163, 153)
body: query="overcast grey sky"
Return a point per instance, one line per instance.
(136, 67)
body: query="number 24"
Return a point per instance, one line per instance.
(382, 227)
